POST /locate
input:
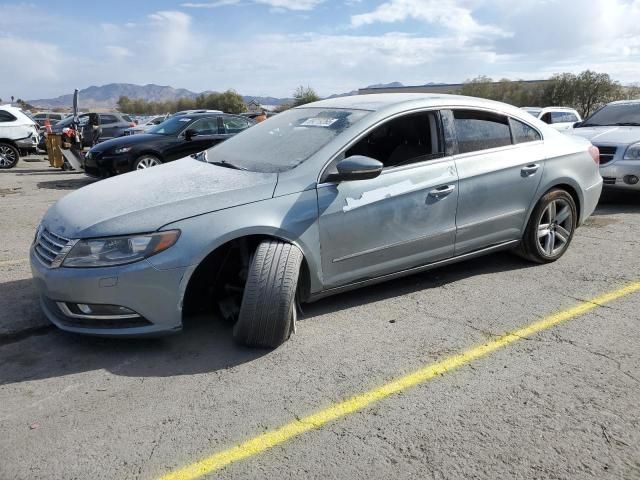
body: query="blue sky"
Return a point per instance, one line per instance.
(268, 47)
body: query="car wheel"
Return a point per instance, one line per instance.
(268, 310)
(146, 161)
(550, 228)
(9, 156)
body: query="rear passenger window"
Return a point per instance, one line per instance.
(477, 130)
(107, 119)
(523, 133)
(6, 116)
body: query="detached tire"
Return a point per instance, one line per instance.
(550, 228)
(9, 156)
(267, 312)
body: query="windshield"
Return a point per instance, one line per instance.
(172, 126)
(285, 140)
(615, 114)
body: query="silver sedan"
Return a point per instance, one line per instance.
(319, 199)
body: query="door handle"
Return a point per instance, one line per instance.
(530, 169)
(442, 191)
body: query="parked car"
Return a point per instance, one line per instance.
(145, 126)
(112, 124)
(191, 112)
(54, 117)
(316, 200)
(615, 130)
(177, 137)
(18, 136)
(560, 118)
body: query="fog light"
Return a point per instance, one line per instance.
(96, 311)
(631, 179)
(84, 308)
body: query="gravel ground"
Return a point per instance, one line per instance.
(563, 404)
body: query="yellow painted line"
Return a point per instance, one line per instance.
(273, 438)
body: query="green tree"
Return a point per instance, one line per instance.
(304, 95)
(594, 90)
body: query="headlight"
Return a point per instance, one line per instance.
(122, 150)
(106, 252)
(633, 152)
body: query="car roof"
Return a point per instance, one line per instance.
(623, 102)
(380, 101)
(205, 114)
(550, 109)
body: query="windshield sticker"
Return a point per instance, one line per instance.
(184, 120)
(319, 122)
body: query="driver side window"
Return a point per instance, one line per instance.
(404, 140)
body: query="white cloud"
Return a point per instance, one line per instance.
(216, 4)
(117, 51)
(381, 44)
(172, 37)
(277, 5)
(302, 5)
(446, 13)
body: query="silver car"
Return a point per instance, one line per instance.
(319, 199)
(615, 130)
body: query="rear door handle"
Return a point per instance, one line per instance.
(442, 191)
(530, 169)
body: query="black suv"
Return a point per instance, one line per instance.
(177, 137)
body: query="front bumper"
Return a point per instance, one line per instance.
(154, 294)
(617, 174)
(97, 164)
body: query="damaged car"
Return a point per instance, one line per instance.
(322, 198)
(18, 136)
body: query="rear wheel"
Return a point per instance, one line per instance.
(550, 229)
(9, 156)
(268, 310)
(146, 161)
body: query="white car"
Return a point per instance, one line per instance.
(559, 118)
(18, 135)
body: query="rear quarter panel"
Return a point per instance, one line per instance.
(568, 162)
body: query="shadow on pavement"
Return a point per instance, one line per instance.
(66, 184)
(613, 201)
(206, 343)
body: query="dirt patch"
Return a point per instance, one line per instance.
(599, 222)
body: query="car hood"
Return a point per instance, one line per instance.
(128, 141)
(145, 200)
(617, 135)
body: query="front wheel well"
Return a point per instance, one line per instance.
(218, 281)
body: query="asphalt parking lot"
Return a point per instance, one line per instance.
(562, 402)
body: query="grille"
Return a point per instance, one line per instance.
(51, 248)
(606, 154)
(609, 180)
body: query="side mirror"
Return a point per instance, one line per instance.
(577, 125)
(356, 167)
(189, 134)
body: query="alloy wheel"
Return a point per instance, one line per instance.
(8, 157)
(555, 227)
(147, 162)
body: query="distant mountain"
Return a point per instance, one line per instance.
(386, 85)
(106, 96)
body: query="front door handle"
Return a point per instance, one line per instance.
(530, 169)
(442, 191)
